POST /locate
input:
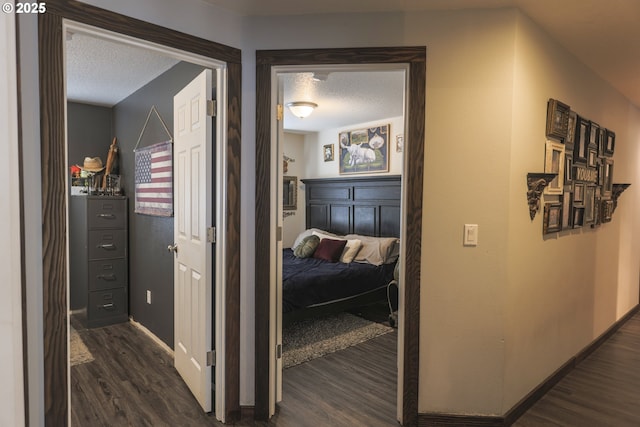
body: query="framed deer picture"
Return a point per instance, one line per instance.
(364, 150)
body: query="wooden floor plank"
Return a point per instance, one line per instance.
(603, 390)
(132, 382)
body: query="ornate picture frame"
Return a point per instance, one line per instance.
(364, 150)
(567, 202)
(581, 144)
(578, 216)
(552, 218)
(327, 152)
(609, 142)
(557, 119)
(590, 204)
(554, 163)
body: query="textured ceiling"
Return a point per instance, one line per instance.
(343, 97)
(102, 72)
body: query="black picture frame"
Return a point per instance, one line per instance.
(567, 202)
(594, 135)
(578, 216)
(609, 142)
(592, 157)
(568, 168)
(557, 119)
(571, 130)
(552, 218)
(581, 145)
(607, 178)
(578, 192)
(590, 205)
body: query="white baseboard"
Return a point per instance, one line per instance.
(151, 335)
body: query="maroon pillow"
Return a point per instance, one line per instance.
(330, 249)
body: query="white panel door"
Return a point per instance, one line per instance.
(193, 253)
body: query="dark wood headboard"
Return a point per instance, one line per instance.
(362, 205)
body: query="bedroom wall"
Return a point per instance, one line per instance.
(314, 142)
(150, 264)
(88, 135)
(294, 148)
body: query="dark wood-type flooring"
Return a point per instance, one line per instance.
(132, 382)
(603, 390)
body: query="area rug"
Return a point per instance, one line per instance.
(312, 338)
(79, 353)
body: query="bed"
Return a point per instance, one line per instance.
(364, 209)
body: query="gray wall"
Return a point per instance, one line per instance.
(150, 264)
(88, 135)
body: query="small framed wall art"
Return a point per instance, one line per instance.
(554, 163)
(552, 218)
(327, 152)
(557, 119)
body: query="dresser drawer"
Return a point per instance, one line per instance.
(106, 213)
(106, 307)
(106, 244)
(107, 274)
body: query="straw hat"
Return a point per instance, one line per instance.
(92, 164)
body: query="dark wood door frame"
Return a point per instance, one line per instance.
(415, 57)
(53, 152)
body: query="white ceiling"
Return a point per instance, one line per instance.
(604, 35)
(343, 97)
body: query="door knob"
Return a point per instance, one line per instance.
(173, 248)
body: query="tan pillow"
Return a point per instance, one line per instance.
(376, 250)
(350, 250)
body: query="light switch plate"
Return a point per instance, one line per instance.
(470, 235)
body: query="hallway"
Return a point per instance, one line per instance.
(603, 390)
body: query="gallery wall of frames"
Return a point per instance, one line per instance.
(578, 169)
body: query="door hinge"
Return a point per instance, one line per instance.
(278, 234)
(211, 234)
(211, 358)
(212, 107)
(279, 112)
(279, 351)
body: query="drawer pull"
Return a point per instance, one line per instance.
(106, 246)
(106, 276)
(108, 306)
(104, 215)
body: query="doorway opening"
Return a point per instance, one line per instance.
(54, 188)
(266, 273)
(344, 163)
(131, 274)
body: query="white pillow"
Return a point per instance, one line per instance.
(376, 250)
(350, 250)
(320, 233)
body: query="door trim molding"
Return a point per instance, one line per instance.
(52, 98)
(415, 57)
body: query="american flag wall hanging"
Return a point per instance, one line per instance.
(154, 179)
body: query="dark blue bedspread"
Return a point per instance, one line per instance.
(311, 281)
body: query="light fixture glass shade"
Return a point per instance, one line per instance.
(301, 109)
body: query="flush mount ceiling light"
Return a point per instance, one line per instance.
(301, 109)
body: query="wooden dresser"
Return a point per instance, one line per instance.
(98, 257)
